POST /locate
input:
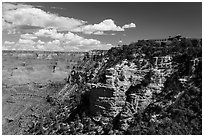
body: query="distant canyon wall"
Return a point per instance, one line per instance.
(41, 54)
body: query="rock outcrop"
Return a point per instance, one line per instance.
(136, 87)
(129, 86)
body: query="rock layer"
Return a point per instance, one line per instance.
(124, 90)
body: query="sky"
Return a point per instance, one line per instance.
(68, 26)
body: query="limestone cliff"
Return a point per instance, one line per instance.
(135, 88)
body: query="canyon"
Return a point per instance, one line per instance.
(141, 88)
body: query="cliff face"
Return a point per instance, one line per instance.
(139, 80)
(129, 85)
(141, 88)
(43, 55)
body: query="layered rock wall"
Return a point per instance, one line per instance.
(123, 88)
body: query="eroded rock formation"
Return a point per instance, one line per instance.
(129, 86)
(141, 83)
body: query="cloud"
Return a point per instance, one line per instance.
(40, 47)
(72, 37)
(28, 36)
(131, 25)
(23, 18)
(22, 44)
(106, 25)
(85, 42)
(55, 42)
(52, 33)
(9, 42)
(99, 29)
(19, 14)
(60, 42)
(57, 8)
(68, 38)
(99, 33)
(73, 41)
(32, 23)
(12, 6)
(76, 42)
(40, 42)
(26, 41)
(53, 46)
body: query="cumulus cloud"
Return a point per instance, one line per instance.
(40, 47)
(73, 41)
(99, 29)
(9, 42)
(25, 46)
(89, 42)
(36, 23)
(53, 46)
(69, 38)
(106, 25)
(55, 42)
(52, 33)
(80, 43)
(19, 14)
(26, 41)
(28, 36)
(40, 42)
(60, 42)
(99, 33)
(22, 44)
(131, 25)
